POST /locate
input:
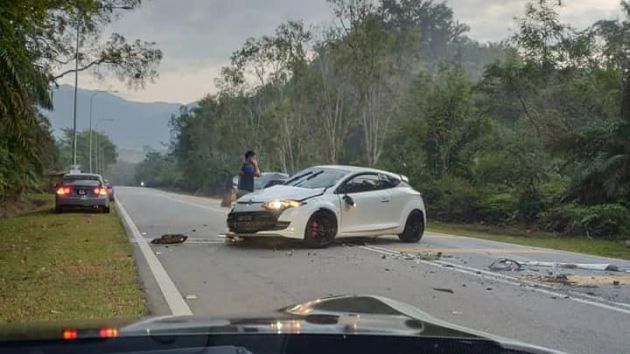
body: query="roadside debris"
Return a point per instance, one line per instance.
(191, 297)
(505, 264)
(456, 312)
(586, 266)
(444, 290)
(169, 239)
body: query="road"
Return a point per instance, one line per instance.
(219, 279)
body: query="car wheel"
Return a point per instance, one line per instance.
(321, 229)
(414, 227)
(106, 209)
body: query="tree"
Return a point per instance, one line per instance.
(38, 41)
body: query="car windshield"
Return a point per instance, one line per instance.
(316, 178)
(227, 158)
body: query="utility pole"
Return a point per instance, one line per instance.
(76, 86)
(90, 138)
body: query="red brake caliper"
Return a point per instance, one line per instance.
(314, 226)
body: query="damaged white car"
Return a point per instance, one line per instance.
(322, 203)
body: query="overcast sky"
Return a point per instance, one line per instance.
(198, 36)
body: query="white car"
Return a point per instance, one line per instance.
(322, 203)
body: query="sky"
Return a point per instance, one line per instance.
(197, 37)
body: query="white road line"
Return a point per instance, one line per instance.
(164, 195)
(173, 297)
(598, 302)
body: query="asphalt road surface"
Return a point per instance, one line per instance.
(580, 313)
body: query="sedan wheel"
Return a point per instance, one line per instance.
(414, 228)
(321, 230)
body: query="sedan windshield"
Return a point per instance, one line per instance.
(316, 178)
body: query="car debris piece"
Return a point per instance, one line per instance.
(191, 297)
(505, 264)
(169, 239)
(444, 290)
(586, 266)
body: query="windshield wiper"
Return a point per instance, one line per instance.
(297, 178)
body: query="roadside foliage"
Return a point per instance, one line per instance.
(532, 131)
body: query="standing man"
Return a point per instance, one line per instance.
(248, 172)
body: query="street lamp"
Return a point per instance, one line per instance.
(90, 138)
(102, 155)
(76, 82)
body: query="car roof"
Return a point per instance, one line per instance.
(82, 174)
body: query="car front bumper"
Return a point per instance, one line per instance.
(254, 221)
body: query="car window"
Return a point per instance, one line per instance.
(362, 183)
(77, 178)
(388, 181)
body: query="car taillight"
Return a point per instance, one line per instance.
(64, 190)
(100, 191)
(70, 334)
(108, 332)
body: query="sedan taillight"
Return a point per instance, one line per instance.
(100, 191)
(64, 190)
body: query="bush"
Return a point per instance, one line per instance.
(608, 221)
(453, 199)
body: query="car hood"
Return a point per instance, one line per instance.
(343, 315)
(280, 192)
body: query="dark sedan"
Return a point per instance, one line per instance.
(81, 190)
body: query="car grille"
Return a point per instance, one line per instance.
(252, 222)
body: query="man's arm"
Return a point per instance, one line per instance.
(256, 169)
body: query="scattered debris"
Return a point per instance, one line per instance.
(463, 285)
(289, 253)
(444, 290)
(616, 282)
(194, 230)
(143, 233)
(586, 266)
(169, 239)
(205, 225)
(383, 256)
(387, 269)
(489, 289)
(158, 253)
(54, 312)
(505, 264)
(191, 297)
(456, 312)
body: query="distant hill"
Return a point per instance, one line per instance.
(135, 125)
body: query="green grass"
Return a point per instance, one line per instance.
(536, 239)
(72, 266)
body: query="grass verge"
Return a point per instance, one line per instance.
(537, 239)
(71, 266)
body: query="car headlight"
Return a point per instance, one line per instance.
(278, 205)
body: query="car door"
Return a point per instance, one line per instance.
(397, 199)
(369, 214)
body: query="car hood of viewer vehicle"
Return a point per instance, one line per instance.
(280, 192)
(343, 315)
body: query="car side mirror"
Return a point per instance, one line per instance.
(349, 201)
